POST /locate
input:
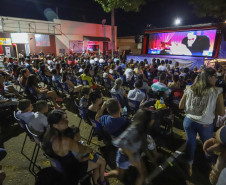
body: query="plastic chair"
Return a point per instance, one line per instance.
(82, 113)
(66, 89)
(85, 82)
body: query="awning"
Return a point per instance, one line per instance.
(88, 38)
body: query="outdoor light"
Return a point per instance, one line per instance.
(177, 21)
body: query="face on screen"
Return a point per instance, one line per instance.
(191, 43)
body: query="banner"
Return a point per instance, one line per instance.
(76, 46)
(5, 41)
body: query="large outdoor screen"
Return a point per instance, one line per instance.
(191, 43)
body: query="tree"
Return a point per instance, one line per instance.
(127, 5)
(213, 8)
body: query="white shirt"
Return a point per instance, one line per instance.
(129, 74)
(50, 62)
(201, 109)
(162, 68)
(95, 59)
(101, 61)
(92, 61)
(38, 122)
(105, 75)
(136, 95)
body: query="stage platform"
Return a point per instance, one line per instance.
(185, 61)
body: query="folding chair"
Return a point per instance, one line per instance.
(82, 113)
(35, 151)
(96, 128)
(133, 105)
(33, 138)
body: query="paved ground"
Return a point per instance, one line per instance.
(16, 165)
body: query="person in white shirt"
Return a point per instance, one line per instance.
(136, 94)
(92, 61)
(162, 67)
(101, 61)
(96, 59)
(38, 122)
(129, 73)
(171, 65)
(25, 110)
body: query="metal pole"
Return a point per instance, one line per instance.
(112, 31)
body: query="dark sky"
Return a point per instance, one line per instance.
(158, 13)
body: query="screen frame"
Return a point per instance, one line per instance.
(148, 33)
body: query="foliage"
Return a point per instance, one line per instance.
(127, 5)
(213, 8)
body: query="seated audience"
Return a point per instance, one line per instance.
(175, 84)
(42, 92)
(8, 90)
(24, 74)
(86, 76)
(25, 110)
(84, 101)
(162, 67)
(113, 124)
(136, 94)
(96, 99)
(38, 122)
(129, 73)
(53, 141)
(145, 84)
(106, 74)
(56, 76)
(118, 89)
(161, 86)
(71, 86)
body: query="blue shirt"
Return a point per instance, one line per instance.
(113, 126)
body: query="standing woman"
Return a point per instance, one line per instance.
(202, 102)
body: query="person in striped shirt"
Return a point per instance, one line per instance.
(161, 86)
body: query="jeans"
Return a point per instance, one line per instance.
(2, 153)
(191, 129)
(222, 177)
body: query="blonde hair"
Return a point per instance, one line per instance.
(202, 84)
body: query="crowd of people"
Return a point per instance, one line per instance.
(125, 119)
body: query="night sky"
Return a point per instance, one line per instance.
(158, 13)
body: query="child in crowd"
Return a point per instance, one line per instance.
(38, 122)
(84, 101)
(25, 110)
(74, 133)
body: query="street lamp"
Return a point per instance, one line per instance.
(177, 21)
